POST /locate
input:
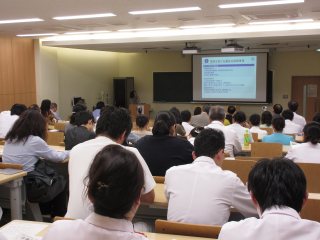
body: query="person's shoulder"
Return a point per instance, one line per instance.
(234, 228)
(65, 227)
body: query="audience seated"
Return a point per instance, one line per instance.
(201, 192)
(194, 133)
(297, 119)
(54, 111)
(186, 118)
(266, 120)
(278, 190)
(232, 143)
(142, 122)
(83, 131)
(197, 111)
(290, 126)
(239, 126)
(46, 112)
(97, 110)
(277, 109)
(202, 119)
(113, 126)
(278, 124)
(316, 117)
(163, 149)
(180, 131)
(114, 186)
(76, 108)
(230, 112)
(309, 151)
(255, 123)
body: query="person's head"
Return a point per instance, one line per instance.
(54, 107)
(266, 118)
(164, 124)
(293, 105)
(197, 111)
(231, 109)
(206, 108)
(255, 119)
(277, 183)
(84, 118)
(311, 132)
(210, 143)
(30, 122)
(316, 117)
(142, 121)
(195, 131)
(186, 116)
(45, 107)
(239, 117)
(277, 108)
(217, 113)
(77, 108)
(115, 181)
(278, 124)
(287, 114)
(114, 123)
(34, 107)
(175, 111)
(100, 105)
(133, 94)
(17, 109)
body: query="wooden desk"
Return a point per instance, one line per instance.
(57, 148)
(247, 149)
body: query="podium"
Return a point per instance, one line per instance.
(139, 109)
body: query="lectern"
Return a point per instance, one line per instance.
(137, 109)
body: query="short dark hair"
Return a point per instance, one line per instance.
(34, 107)
(266, 118)
(316, 117)
(195, 131)
(175, 111)
(216, 113)
(77, 108)
(163, 122)
(277, 108)
(255, 119)
(311, 132)
(278, 182)
(278, 123)
(197, 111)
(115, 181)
(53, 105)
(287, 114)
(231, 109)
(18, 109)
(206, 108)
(142, 121)
(239, 117)
(113, 122)
(185, 116)
(209, 142)
(30, 122)
(83, 117)
(45, 107)
(293, 105)
(100, 105)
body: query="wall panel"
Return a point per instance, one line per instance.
(6, 67)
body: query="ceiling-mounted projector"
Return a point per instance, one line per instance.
(232, 47)
(190, 49)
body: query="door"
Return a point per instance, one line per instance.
(305, 90)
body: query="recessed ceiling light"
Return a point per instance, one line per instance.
(21, 20)
(282, 21)
(143, 29)
(318, 50)
(168, 10)
(87, 32)
(100, 15)
(208, 26)
(36, 34)
(256, 4)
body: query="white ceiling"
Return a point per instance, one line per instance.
(210, 14)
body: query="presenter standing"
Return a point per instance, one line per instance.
(134, 98)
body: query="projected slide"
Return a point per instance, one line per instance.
(229, 77)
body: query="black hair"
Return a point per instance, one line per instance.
(197, 111)
(316, 117)
(77, 108)
(293, 105)
(216, 113)
(185, 116)
(175, 111)
(133, 94)
(266, 118)
(83, 117)
(34, 107)
(278, 182)
(100, 105)
(45, 107)
(115, 181)
(231, 109)
(18, 109)
(206, 108)
(278, 123)
(239, 117)
(209, 142)
(311, 132)
(195, 131)
(113, 122)
(163, 122)
(287, 114)
(277, 108)
(30, 122)
(255, 119)
(142, 121)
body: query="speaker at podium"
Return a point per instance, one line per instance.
(139, 109)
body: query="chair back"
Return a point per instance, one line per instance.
(269, 130)
(55, 138)
(187, 229)
(247, 158)
(239, 167)
(311, 210)
(266, 150)
(255, 137)
(158, 179)
(57, 218)
(312, 173)
(60, 126)
(2, 141)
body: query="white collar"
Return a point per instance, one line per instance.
(281, 211)
(217, 122)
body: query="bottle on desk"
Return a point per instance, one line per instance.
(246, 139)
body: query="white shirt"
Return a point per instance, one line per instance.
(261, 133)
(291, 127)
(304, 153)
(95, 227)
(187, 127)
(202, 193)
(275, 224)
(6, 122)
(298, 119)
(240, 131)
(81, 157)
(232, 143)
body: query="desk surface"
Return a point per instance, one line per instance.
(4, 178)
(285, 148)
(57, 148)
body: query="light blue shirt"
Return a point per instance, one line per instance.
(28, 153)
(278, 138)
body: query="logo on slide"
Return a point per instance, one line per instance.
(206, 60)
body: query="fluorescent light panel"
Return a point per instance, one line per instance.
(21, 20)
(256, 4)
(168, 10)
(208, 26)
(143, 29)
(100, 15)
(282, 21)
(36, 34)
(87, 32)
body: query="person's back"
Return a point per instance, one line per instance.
(290, 126)
(278, 124)
(8, 118)
(201, 119)
(255, 122)
(297, 119)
